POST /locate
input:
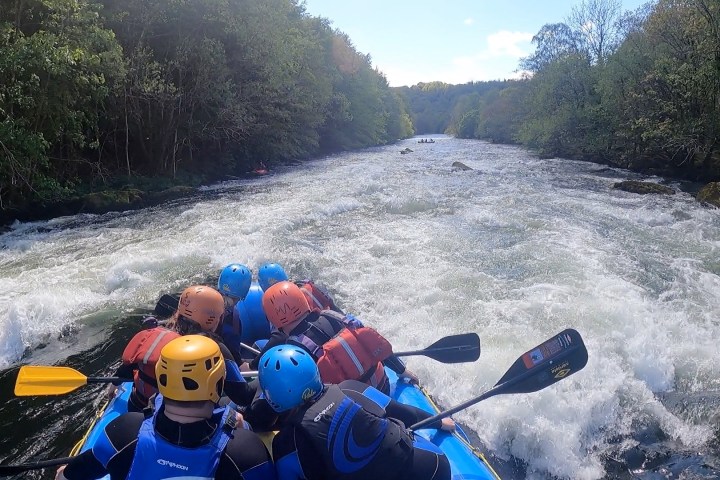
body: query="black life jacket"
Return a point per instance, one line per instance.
(354, 443)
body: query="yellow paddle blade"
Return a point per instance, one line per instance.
(37, 380)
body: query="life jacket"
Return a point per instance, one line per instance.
(159, 459)
(348, 351)
(317, 297)
(353, 442)
(143, 350)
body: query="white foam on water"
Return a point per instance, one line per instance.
(516, 250)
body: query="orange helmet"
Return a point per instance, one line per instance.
(203, 305)
(284, 303)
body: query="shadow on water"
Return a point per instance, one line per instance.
(40, 428)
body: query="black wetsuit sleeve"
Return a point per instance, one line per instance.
(242, 393)
(370, 399)
(408, 414)
(84, 466)
(245, 457)
(125, 371)
(122, 435)
(276, 338)
(395, 364)
(259, 413)
(239, 392)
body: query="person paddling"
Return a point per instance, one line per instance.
(343, 347)
(186, 435)
(317, 295)
(233, 284)
(342, 432)
(200, 311)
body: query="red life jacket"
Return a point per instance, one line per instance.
(317, 297)
(354, 353)
(143, 350)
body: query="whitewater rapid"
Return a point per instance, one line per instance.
(516, 249)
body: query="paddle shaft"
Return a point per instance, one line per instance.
(7, 470)
(108, 379)
(455, 409)
(568, 356)
(426, 351)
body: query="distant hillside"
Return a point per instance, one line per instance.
(438, 107)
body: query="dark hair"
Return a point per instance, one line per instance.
(185, 326)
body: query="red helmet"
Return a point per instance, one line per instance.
(284, 303)
(203, 305)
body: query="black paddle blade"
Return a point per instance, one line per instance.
(464, 347)
(455, 348)
(548, 363)
(167, 305)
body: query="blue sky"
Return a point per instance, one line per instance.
(454, 41)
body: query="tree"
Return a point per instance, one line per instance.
(58, 64)
(596, 23)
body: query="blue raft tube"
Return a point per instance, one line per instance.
(466, 461)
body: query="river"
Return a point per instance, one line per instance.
(517, 249)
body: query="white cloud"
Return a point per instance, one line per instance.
(469, 21)
(505, 44)
(498, 61)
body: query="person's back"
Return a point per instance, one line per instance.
(330, 435)
(316, 295)
(186, 436)
(138, 361)
(233, 284)
(199, 311)
(342, 346)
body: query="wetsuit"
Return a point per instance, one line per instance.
(354, 431)
(244, 456)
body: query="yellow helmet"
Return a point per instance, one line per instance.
(203, 305)
(191, 368)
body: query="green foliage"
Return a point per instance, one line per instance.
(639, 90)
(57, 66)
(180, 90)
(437, 107)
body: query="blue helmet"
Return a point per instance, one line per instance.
(269, 274)
(288, 377)
(235, 281)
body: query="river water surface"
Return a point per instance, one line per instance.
(516, 249)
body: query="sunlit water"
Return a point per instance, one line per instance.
(516, 250)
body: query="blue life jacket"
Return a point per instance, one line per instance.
(159, 459)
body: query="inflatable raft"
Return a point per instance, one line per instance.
(466, 461)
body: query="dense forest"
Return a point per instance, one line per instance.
(639, 90)
(109, 95)
(99, 94)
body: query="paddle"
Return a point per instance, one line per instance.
(166, 306)
(540, 367)
(41, 380)
(451, 349)
(7, 470)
